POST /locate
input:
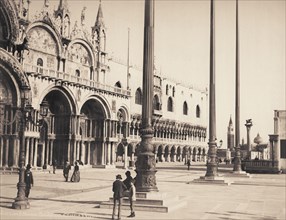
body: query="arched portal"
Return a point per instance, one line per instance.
(58, 148)
(92, 118)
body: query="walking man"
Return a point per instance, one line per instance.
(54, 164)
(117, 188)
(189, 164)
(28, 180)
(66, 170)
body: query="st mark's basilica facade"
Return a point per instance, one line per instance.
(94, 106)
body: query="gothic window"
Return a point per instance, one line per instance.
(170, 105)
(167, 89)
(173, 92)
(198, 111)
(118, 85)
(40, 64)
(156, 103)
(185, 108)
(138, 97)
(77, 73)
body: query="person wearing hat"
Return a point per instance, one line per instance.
(66, 170)
(118, 189)
(28, 180)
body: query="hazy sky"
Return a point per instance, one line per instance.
(182, 50)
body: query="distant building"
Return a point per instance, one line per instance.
(230, 135)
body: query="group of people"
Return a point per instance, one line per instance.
(76, 174)
(29, 180)
(121, 189)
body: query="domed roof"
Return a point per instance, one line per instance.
(258, 139)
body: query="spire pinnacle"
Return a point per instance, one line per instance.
(99, 18)
(230, 121)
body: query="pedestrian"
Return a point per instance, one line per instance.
(28, 180)
(54, 164)
(76, 174)
(127, 181)
(189, 164)
(66, 170)
(132, 197)
(118, 187)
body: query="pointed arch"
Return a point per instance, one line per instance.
(198, 111)
(138, 96)
(170, 107)
(185, 108)
(118, 84)
(156, 103)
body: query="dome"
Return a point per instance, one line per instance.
(258, 139)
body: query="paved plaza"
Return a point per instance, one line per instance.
(259, 197)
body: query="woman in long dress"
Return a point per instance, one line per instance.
(76, 174)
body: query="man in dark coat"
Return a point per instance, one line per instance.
(28, 180)
(117, 188)
(66, 170)
(127, 181)
(54, 164)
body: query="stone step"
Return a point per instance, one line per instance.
(157, 204)
(151, 195)
(148, 201)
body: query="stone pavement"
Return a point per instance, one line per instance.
(261, 197)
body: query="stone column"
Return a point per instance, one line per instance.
(103, 153)
(27, 142)
(146, 164)
(113, 154)
(1, 151)
(237, 158)
(68, 151)
(51, 151)
(82, 152)
(108, 155)
(42, 154)
(31, 151)
(88, 152)
(16, 148)
(212, 153)
(125, 156)
(77, 149)
(35, 153)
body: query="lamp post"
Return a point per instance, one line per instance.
(273, 138)
(24, 115)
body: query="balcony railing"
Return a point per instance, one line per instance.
(45, 72)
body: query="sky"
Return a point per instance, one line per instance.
(182, 50)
